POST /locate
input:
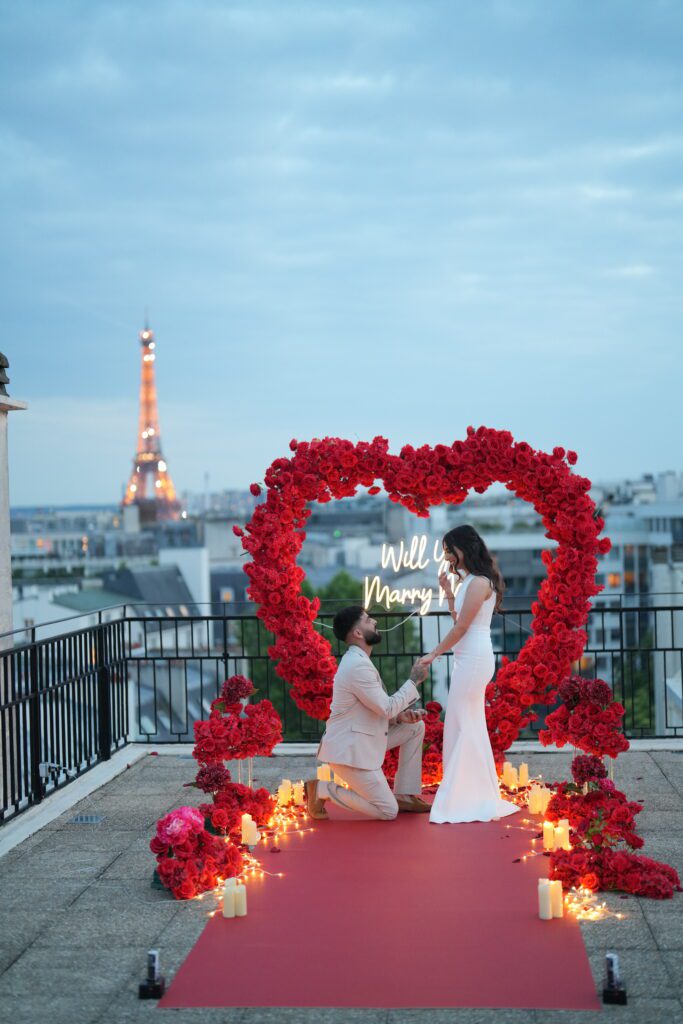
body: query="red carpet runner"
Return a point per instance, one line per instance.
(392, 914)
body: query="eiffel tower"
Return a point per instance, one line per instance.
(150, 487)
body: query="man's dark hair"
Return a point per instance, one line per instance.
(345, 620)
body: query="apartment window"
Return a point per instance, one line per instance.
(613, 579)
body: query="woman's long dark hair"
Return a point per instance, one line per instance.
(477, 558)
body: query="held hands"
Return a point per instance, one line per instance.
(418, 673)
(425, 661)
(411, 716)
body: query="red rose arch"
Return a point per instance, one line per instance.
(420, 478)
(588, 717)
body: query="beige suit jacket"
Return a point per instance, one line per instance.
(358, 726)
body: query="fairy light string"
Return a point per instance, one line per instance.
(291, 819)
(582, 903)
(286, 820)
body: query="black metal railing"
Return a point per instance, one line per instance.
(67, 701)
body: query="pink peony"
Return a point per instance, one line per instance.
(179, 825)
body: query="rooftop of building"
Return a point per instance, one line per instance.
(78, 913)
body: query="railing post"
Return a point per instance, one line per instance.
(35, 741)
(225, 654)
(103, 696)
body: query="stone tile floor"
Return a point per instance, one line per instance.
(77, 913)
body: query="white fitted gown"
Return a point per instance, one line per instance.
(469, 789)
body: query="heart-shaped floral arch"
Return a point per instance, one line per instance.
(600, 816)
(420, 478)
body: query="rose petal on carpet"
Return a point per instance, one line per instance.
(392, 914)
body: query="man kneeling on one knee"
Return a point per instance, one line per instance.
(364, 723)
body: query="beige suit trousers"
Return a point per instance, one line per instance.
(370, 793)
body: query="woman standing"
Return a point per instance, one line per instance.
(469, 788)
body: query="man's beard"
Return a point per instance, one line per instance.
(372, 637)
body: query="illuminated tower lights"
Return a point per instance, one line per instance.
(150, 486)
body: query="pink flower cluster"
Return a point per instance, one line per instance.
(189, 858)
(180, 825)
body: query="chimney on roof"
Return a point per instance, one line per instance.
(7, 405)
(4, 379)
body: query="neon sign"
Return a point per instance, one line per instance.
(412, 556)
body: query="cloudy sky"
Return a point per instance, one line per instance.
(350, 219)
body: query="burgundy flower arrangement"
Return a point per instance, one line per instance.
(589, 718)
(602, 824)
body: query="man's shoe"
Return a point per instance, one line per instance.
(316, 806)
(413, 805)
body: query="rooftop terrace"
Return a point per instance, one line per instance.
(78, 914)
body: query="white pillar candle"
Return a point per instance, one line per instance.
(556, 899)
(524, 774)
(229, 899)
(545, 907)
(247, 820)
(324, 773)
(240, 900)
(512, 778)
(562, 837)
(548, 835)
(299, 794)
